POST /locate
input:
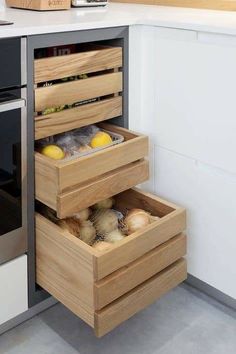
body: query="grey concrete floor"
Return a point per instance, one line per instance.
(182, 322)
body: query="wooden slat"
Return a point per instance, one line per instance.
(46, 181)
(64, 267)
(75, 91)
(139, 298)
(227, 5)
(58, 67)
(135, 273)
(101, 188)
(141, 242)
(145, 200)
(77, 117)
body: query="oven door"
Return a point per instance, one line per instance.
(13, 176)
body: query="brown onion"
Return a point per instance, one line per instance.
(136, 219)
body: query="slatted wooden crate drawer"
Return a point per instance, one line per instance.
(85, 280)
(103, 85)
(67, 186)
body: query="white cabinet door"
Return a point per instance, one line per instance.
(182, 92)
(13, 288)
(195, 82)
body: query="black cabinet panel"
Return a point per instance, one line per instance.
(10, 62)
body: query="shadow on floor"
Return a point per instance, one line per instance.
(180, 323)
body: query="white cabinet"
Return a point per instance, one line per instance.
(186, 104)
(14, 288)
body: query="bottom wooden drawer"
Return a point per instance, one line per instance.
(93, 283)
(139, 298)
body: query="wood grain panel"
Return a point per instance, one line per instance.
(135, 273)
(40, 4)
(84, 168)
(60, 257)
(77, 117)
(52, 68)
(101, 188)
(75, 91)
(139, 298)
(227, 5)
(141, 242)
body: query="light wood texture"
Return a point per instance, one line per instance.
(135, 273)
(143, 241)
(139, 298)
(53, 177)
(40, 4)
(77, 117)
(72, 271)
(64, 266)
(75, 91)
(101, 188)
(227, 5)
(58, 67)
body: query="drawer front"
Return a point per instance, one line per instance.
(58, 182)
(10, 63)
(101, 188)
(60, 122)
(100, 59)
(127, 278)
(139, 298)
(76, 91)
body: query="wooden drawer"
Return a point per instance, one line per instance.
(86, 280)
(55, 123)
(67, 186)
(102, 83)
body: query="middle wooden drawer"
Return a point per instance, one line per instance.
(74, 184)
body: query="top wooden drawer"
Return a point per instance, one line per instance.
(53, 68)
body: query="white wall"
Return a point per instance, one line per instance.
(187, 92)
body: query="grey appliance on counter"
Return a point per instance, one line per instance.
(13, 149)
(89, 3)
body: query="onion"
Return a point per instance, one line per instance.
(105, 221)
(114, 236)
(102, 246)
(137, 219)
(104, 204)
(87, 232)
(70, 225)
(82, 215)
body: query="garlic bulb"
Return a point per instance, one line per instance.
(137, 219)
(104, 204)
(102, 246)
(105, 221)
(70, 225)
(87, 232)
(82, 215)
(114, 236)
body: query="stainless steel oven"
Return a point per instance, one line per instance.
(13, 151)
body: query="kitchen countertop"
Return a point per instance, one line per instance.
(114, 15)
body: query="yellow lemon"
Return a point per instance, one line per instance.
(53, 151)
(100, 139)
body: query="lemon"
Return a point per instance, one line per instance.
(53, 151)
(100, 139)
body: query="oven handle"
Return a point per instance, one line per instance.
(11, 105)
